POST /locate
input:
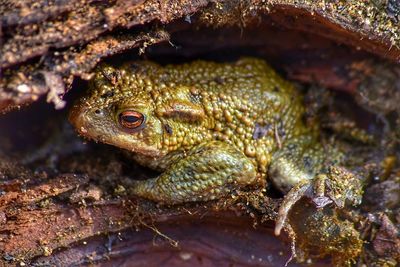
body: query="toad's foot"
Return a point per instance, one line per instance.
(208, 171)
(338, 185)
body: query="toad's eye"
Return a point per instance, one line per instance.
(130, 119)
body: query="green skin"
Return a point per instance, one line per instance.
(208, 127)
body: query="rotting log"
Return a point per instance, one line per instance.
(65, 219)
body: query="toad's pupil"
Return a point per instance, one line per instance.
(130, 119)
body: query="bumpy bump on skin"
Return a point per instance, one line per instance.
(208, 127)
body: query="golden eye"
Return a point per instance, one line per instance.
(130, 119)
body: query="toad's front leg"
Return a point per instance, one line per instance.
(208, 171)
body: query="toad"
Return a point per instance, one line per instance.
(210, 128)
